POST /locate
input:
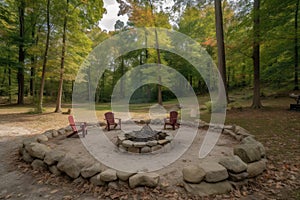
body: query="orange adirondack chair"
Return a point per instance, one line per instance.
(110, 121)
(82, 125)
(172, 120)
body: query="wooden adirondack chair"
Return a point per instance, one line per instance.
(172, 120)
(82, 127)
(110, 120)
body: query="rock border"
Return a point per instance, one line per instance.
(248, 161)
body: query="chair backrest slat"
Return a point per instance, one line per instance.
(173, 116)
(72, 123)
(109, 116)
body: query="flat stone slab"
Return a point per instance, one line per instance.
(205, 189)
(214, 171)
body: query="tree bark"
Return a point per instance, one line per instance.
(41, 94)
(221, 47)
(20, 75)
(62, 61)
(256, 55)
(296, 86)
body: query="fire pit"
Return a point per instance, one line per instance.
(145, 140)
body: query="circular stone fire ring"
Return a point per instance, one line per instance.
(145, 140)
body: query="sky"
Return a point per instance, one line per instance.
(109, 19)
(112, 8)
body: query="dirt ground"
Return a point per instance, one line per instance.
(280, 181)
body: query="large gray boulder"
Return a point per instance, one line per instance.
(247, 152)
(53, 157)
(205, 189)
(144, 179)
(233, 164)
(37, 150)
(90, 171)
(256, 168)
(193, 174)
(70, 166)
(108, 175)
(259, 146)
(214, 172)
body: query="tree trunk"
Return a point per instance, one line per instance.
(9, 85)
(256, 55)
(220, 44)
(122, 92)
(159, 93)
(20, 75)
(40, 103)
(33, 60)
(62, 62)
(296, 87)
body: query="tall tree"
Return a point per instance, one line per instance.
(20, 76)
(256, 54)
(220, 44)
(62, 62)
(45, 58)
(296, 86)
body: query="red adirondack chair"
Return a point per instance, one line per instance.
(111, 120)
(82, 127)
(172, 120)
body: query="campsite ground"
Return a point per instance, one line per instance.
(274, 125)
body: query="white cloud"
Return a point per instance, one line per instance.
(109, 19)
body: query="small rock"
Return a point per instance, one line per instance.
(127, 143)
(123, 149)
(42, 138)
(144, 179)
(156, 148)
(256, 168)
(233, 164)
(53, 157)
(78, 180)
(139, 144)
(214, 172)
(240, 184)
(206, 189)
(145, 149)
(152, 143)
(162, 142)
(238, 177)
(54, 170)
(124, 176)
(241, 131)
(247, 152)
(48, 134)
(61, 131)
(55, 133)
(169, 138)
(193, 174)
(26, 157)
(133, 149)
(113, 185)
(97, 181)
(108, 175)
(90, 171)
(28, 141)
(38, 164)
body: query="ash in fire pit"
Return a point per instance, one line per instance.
(145, 134)
(145, 140)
